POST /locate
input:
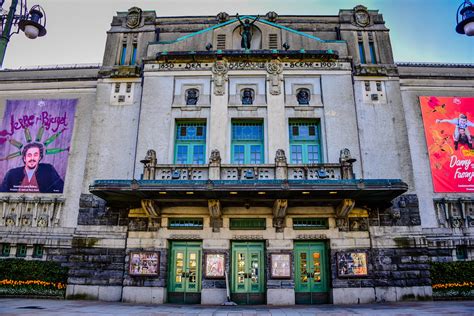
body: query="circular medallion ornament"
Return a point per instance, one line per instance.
(361, 16)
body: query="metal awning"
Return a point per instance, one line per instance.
(130, 193)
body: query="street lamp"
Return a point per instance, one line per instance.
(32, 22)
(466, 12)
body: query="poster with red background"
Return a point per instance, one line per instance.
(449, 127)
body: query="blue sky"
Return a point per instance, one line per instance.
(421, 31)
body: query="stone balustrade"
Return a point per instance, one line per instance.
(280, 170)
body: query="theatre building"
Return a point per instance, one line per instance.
(276, 159)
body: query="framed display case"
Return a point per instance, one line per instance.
(280, 266)
(214, 266)
(352, 264)
(144, 263)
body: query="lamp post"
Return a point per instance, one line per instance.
(466, 13)
(32, 22)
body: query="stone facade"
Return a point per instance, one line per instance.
(368, 196)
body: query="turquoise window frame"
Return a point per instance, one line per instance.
(305, 148)
(5, 250)
(38, 251)
(190, 148)
(247, 142)
(21, 250)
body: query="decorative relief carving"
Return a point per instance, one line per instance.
(134, 17)
(27, 212)
(215, 157)
(274, 69)
(280, 156)
(220, 78)
(361, 16)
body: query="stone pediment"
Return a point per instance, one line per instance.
(265, 35)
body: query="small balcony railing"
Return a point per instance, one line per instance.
(280, 170)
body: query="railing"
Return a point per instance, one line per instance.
(280, 170)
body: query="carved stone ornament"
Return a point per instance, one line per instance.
(42, 221)
(215, 157)
(134, 17)
(223, 17)
(274, 69)
(280, 156)
(361, 16)
(220, 69)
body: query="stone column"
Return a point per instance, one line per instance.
(219, 122)
(276, 122)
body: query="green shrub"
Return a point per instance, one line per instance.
(19, 277)
(452, 272)
(19, 269)
(452, 279)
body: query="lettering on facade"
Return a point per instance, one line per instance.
(247, 65)
(312, 236)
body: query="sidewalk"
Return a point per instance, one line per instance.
(11, 306)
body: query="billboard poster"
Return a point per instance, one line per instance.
(35, 139)
(449, 127)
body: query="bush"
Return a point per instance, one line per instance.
(39, 278)
(452, 279)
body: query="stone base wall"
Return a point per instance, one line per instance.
(144, 295)
(393, 267)
(380, 294)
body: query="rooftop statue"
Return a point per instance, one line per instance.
(246, 31)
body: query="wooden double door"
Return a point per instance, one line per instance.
(311, 273)
(184, 283)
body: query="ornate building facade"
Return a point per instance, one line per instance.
(263, 159)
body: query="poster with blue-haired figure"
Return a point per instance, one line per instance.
(35, 140)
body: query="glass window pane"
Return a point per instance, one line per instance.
(239, 154)
(313, 154)
(373, 59)
(361, 53)
(255, 154)
(123, 55)
(296, 154)
(198, 154)
(182, 155)
(134, 54)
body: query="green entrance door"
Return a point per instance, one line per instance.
(247, 282)
(184, 285)
(311, 273)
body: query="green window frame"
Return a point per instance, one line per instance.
(38, 251)
(248, 224)
(190, 143)
(305, 142)
(461, 252)
(310, 223)
(21, 250)
(5, 250)
(185, 223)
(247, 142)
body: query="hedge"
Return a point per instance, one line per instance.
(453, 279)
(19, 277)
